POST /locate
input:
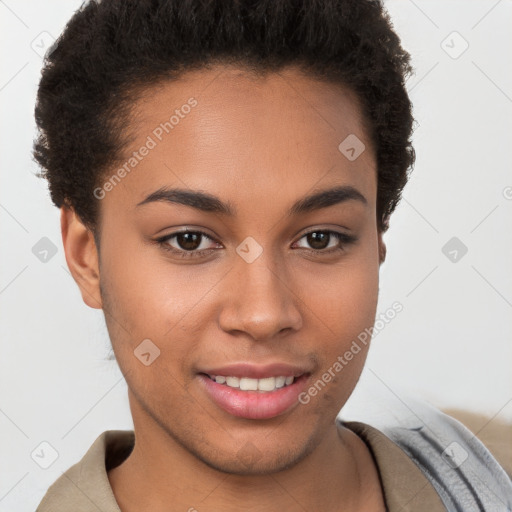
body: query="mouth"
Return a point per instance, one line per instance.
(254, 398)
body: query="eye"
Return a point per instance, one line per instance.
(188, 242)
(320, 240)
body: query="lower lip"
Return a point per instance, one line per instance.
(254, 405)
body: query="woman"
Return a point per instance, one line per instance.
(225, 173)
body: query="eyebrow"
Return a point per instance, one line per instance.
(209, 203)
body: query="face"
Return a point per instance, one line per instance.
(257, 289)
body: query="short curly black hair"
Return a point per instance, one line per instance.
(111, 50)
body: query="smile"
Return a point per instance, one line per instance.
(251, 398)
(247, 384)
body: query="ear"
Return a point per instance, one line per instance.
(81, 256)
(382, 248)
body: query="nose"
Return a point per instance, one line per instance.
(259, 299)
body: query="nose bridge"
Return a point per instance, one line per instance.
(262, 302)
(257, 271)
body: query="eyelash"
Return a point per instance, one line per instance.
(342, 238)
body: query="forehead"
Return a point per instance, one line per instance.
(235, 133)
(226, 96)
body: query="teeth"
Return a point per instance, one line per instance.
(248, 384)
(280, 382)
(268, 384)
(233, 382)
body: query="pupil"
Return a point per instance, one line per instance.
(318, 236)
(190, 242)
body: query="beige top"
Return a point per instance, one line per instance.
(85, 487)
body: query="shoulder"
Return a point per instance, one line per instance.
(85, 486)
(459, 467)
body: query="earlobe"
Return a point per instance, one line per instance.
(81, 256)
(382, 250)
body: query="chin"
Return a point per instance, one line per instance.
(250, 461)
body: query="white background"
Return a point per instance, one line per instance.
(451, 344)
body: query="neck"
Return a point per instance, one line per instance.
(160, 474)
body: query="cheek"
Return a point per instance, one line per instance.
(146, 297)
(148, 291)
(342, 345)
(344, 297)
(343, 313)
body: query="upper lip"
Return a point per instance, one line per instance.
(253, 371)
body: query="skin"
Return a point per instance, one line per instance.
(260, 144)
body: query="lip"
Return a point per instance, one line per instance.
(254, 405)
(253, 371)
